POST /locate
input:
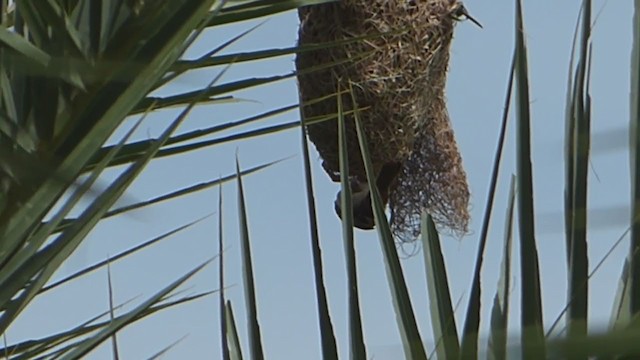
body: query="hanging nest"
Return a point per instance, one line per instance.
(397, 73)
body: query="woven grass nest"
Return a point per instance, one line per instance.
(398, 83)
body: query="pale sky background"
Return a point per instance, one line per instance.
(277, 205)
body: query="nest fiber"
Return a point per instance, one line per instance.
(396, 68)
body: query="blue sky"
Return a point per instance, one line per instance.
(276, 202)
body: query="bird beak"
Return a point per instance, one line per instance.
(474, 20)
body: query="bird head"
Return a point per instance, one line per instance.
(361, 204)
(460, 13)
